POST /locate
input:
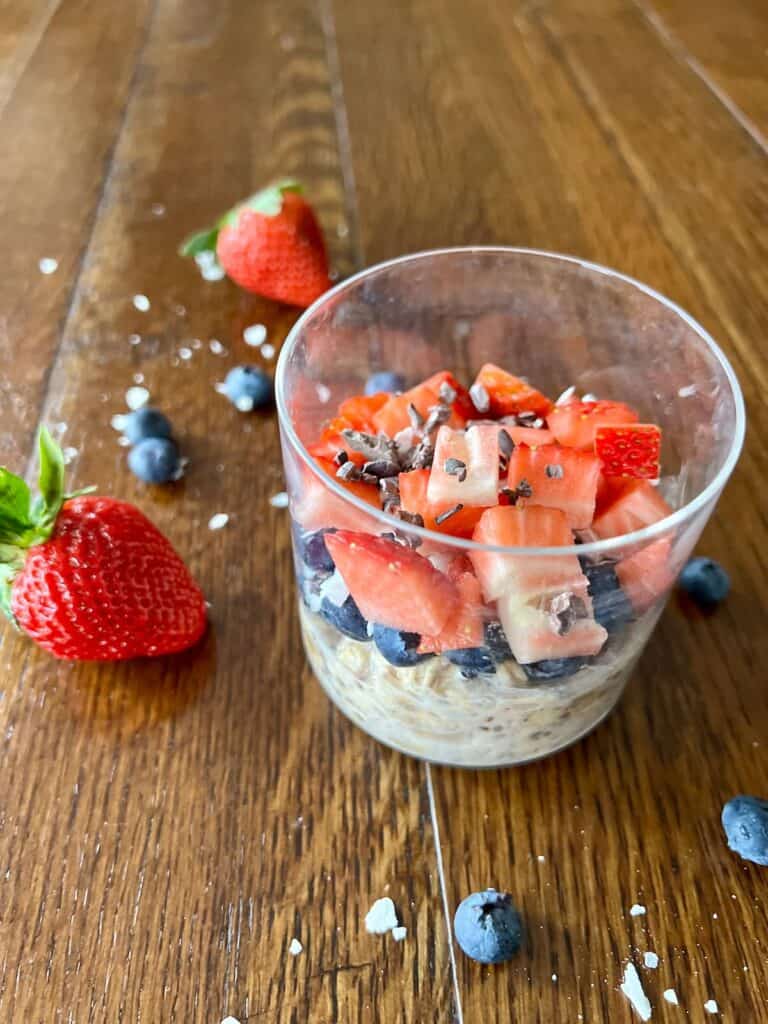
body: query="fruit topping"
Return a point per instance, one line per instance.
(473, 661)
(385, 380)
(440, 399)
(610, 605)
(313, 551)
(488, 927)
(540, 634)
(346, 618)
(706, 581)
(553, 668)
(626, 506)
(507, 394)
(630, 451)
(458, 521)
(559, 478)
(465, 469)
(464, 628)
(399, 648)
(574, 424)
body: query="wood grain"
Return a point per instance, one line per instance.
(572, 128)
(168, 828)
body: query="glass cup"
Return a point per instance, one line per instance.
(560, 322)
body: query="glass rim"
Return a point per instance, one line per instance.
(677, 518)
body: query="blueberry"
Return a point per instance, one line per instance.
(487, 927)
(473, 661)
(706, 581)
(384, 380)
(146, 422)
(346, 618)
(155, 460)
(745, 820)
(497, 643)
(553, 668)
(611, 606)
(248, 387)
(400, 649)
(314, 552)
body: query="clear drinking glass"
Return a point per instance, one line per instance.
(557, 321)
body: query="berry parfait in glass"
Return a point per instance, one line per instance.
(498, 461)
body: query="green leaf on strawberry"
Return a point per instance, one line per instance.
(267, 201)
(200, 241)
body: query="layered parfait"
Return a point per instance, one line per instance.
(455, 630)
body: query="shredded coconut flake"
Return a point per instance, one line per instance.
(295, 947)
(216, 347)
(671, 996)
(206, 258)
(158, 209)
(230, 1020)
(185, 353)
(213, 272)
(136, 397)
(711, 1006)
(399, 933)
(118, 422)
(141, 302)
(134, 339)
(69, 454)
(219, 521)
(651, 961)
(279, 500)
(567, 395)
(244, 403)
(382, 917)
(632, 988)
(255, 335)
(138, 378)
(541, 858)
(48, 265)
(323, 393)
(268, 351)
(636, 910)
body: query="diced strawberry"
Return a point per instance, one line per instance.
(332, 441)
(359, 410)
(465, 627)
(476, 483)
(530, 436)
(525, 576)
(413, 498)
(317, 507)
(559, 478)
(633, 450)
(393, 585)
(533, 636)
(393, 416)
(627, 505)
(509, 394)
(574, 424)
(647, 574)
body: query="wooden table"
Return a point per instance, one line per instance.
(167, 828)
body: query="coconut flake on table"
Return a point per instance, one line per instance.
(48, 265)
(632, 988)
(295, 947)
(671, 996)
(268, 351)
(158, 209)
(651, 961)
(134, 339)
(399, 933)
(213, 272)
(541, 858)
(136, 398)
(382, 917)
(69, 455)
(118, 422)
(636, 910)
(255, 335)
(185, 353)
(711, 1006)
(279, 500)
(138, 378)
(216, 347)
(141, 302)
(218, 521)
(230, 1020)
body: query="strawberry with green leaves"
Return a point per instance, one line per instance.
(90, 578)
(270, 244)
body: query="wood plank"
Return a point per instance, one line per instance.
(573, 129)
(727, 46)
(72, 88)
(22, 28)
(168, 828)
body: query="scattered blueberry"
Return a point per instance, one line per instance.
(248, 387)
(553, 668)
(706, 581)
(496, 642)
(346, 618)
(155, 460)
(314, 552)
(745, 820)
(384, 380)
(487, 927)
(611, 606)
(473, 661)
(146, 422)
(400, 649)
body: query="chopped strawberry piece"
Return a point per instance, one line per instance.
(509, 394)
(359, 410)
(465, 469)
(393, 585)
(574, 424)
(332, 441)
(647, 574)
(413, 498)
(627, 505)
(559, 478)
(530, 436)
(533, 635)
(526, 576)
(317, 507)
(393, 416)
(464, 628)
(633, 450)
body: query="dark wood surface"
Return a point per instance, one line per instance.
(167, 828)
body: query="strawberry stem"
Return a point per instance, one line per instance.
(268, 202)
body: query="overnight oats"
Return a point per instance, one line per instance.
(479, 566)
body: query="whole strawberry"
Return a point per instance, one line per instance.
(270, 244)
(90, 578)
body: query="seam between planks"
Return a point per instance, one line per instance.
(109, 166)
(327, 21)
(444, 893)
(680, 52)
